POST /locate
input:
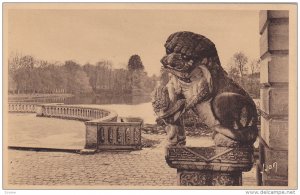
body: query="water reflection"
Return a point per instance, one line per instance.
(93, 99)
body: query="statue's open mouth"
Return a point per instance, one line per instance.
(180, 69)
(181, 72)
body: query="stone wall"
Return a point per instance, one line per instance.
(274, 51)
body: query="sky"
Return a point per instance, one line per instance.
(115, 35)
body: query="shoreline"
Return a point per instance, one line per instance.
(38, 95)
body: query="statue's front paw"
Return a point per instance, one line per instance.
(226, 137)
(223, 141)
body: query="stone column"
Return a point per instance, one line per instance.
(209, 166)
(274, 79)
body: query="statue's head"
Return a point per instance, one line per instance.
(186, 50)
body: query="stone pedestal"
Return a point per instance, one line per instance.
(209, 178)
(209, 166)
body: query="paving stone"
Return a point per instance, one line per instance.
(147, 168)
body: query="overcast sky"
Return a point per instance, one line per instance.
(92, 35)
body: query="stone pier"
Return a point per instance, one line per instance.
(274, 95)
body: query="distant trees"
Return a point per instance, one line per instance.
(135, 63)
(141, 83)
(30, 75)
(239, 71)
(102, 77)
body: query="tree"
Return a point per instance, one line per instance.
(103, 75)
(24, 73)
(234, 74)
(91, 72)
(254, 66)
(135, 63)
(81, 83)
(240, 61)
(29, 75)
(254, 77)
(13, 65)
(70, 69)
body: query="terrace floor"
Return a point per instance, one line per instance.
(31, 169)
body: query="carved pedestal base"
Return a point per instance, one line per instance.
(209, 166)
(208, 178)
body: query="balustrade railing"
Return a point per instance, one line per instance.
(119, 135)
(102, 129)
(72, 112)
(26, 107)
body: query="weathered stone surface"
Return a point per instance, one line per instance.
(91, 136)
(209, 178)
(274, 70)
(275, 38)
(193, 63)
(278, 14)
(269, 181)
(39, 110)
(274, 49)
(275, 133)
(265, 15)
(274, 101)
(138, 168)
(264, 42)
(118, 135)
(278, 36)
(274, 163)
(210, 158)
(87, 151)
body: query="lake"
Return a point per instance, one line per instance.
(125, 106)
(92, 99)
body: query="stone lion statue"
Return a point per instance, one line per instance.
(197, 81)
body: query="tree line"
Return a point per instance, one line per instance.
(246, 73)
(29, 75)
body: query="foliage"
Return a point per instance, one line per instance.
(238, 71)
(135, 63)
(30, 75)
(240, 62)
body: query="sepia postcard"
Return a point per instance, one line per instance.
(150, 96)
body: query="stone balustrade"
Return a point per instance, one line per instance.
(74, 112)
(102, 129)
(113, 135)
(26, 107)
